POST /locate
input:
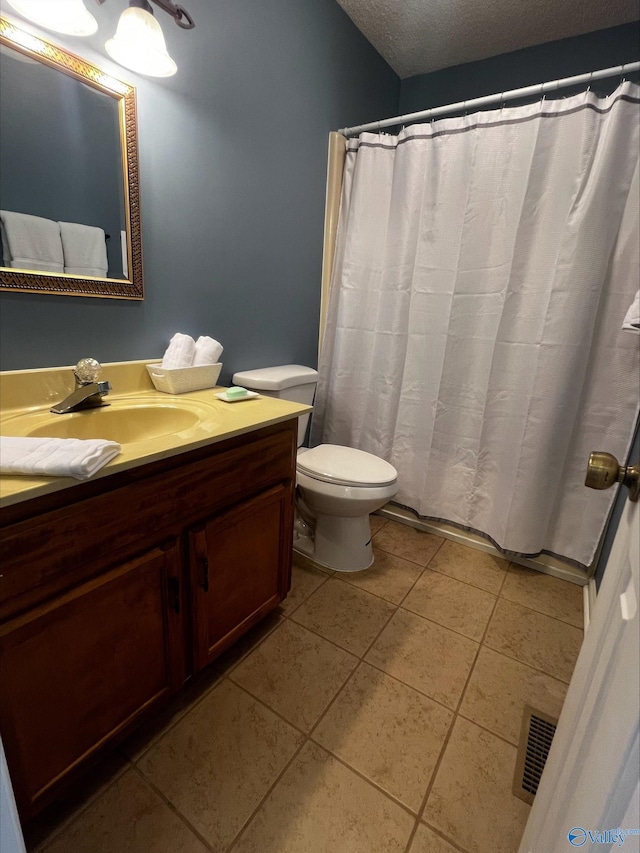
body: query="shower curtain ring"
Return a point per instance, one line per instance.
(623, 73)
(589, 83)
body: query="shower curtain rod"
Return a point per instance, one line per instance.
(499, 97)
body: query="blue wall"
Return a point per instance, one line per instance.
(233, 168)
(564, 58)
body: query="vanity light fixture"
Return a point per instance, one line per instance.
(138, 43)
(63, 16)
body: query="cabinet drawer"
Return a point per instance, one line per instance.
(79, 670)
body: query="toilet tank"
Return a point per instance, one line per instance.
(288, 381)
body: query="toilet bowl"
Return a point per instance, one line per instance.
(337, 487)
(341, 486)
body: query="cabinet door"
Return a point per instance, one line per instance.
(77, 670)
(240, 569)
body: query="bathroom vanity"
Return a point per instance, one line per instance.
(115, 590)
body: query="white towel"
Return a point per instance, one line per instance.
(179, 352)
(31, 242)
(208, 351)
(84, 249)
(631, 321)
(55, 457)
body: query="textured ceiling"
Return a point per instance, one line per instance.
(417, 36)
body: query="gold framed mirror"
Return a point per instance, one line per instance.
(69, 165)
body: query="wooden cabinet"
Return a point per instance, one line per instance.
(80, 668)
(114, 591)
(238, 570)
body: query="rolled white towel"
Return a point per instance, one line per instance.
(208, 351)
(55, 457)
(631, 322)
(179, 352)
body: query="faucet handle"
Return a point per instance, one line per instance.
(87, 370)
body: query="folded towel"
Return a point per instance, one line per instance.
(208, 351)
(31, 242)
(84, 249)
(55, 457)
(631, 321)
(179, 352)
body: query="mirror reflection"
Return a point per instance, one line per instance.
(69, 213)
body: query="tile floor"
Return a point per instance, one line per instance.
(373, 713)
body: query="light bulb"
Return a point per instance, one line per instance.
(139, 44)
(62, 16)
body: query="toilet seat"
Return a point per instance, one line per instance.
(346, 466)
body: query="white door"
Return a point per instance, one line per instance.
(590, 785)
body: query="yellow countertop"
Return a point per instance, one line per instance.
(27, 395)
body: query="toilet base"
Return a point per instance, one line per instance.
(341, 544)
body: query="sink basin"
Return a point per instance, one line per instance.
(124, 424)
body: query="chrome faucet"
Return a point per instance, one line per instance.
(89, 392)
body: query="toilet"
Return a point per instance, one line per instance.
(337, 487)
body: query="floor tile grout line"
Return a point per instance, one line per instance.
(306, 598)
(412, 835)
(361, 775)
(391, 615)
(469, 719)
(67, 822)
(455, 714)
(363, 659)
(173, 808)
(267, 794)
(512, 657)
(267, 706)
(537, 669)
(242, 658)
(539, 612)
(524, 663)
(337, 645)
(428, 567)
(424, 569)
(377, 595)
(410, 686)
(440, 625)
(408, 559)
(455, 844)
(480, 644)
(466, 583)
(197, 701)
(343, 686)
(378, 635)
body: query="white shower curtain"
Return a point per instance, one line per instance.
(483, 269)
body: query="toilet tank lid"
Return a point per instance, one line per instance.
(276, 378)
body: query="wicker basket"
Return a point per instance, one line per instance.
(184, 379)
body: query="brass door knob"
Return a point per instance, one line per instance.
(604, 471)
